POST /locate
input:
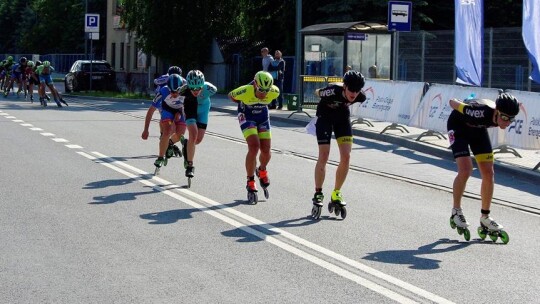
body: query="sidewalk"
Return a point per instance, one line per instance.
(504, 162)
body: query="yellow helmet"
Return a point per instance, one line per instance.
(264, 80)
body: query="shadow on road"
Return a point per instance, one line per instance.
(414, 257)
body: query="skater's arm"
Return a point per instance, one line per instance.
(147, 119)
(456, 104)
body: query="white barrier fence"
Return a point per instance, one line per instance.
(405, 103)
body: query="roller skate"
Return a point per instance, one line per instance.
(177, 151)
(170, 150)
(58, 103)
(263, 180)
(160, 162)
(337, 205)
(488, 226)
(190, 173)
(63, 101)
(31, 98)
(457, 220)
(251, 188)
(317, 200)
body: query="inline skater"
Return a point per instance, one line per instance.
(253, 100)
(156, 105)
(44, 72)
(18, 76)
(2, 73)
(32, 79)
(197, 107)
(467, 128)
(333, 115)
(172, 107)
(8, 66)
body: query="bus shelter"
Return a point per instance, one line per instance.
(330, 49)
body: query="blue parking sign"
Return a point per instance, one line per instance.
(91, 23)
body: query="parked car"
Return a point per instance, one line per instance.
(78, 77)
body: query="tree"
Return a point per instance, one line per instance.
(178, 31)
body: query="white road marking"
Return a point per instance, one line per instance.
(74, 146)
(11, 117)
(36, 129)
(60, 140)
(47, 134)
(27, 125)
(18, 120)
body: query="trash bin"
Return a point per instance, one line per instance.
(292, 101)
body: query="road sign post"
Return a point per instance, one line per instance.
(91, 26)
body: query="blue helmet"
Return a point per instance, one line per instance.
(174, 82)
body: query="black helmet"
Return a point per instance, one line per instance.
(174, 83)
(354, 81)
(38, 63)
(175, 70)
(22, 60)
(507, 104)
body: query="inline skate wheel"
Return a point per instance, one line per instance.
(467, 234)
(493, 236)
(189, 182)
(343, 212)
(504, 237)
(266, 193)
(316, 212)
(460, 230)
(337, 210)
(452, 223)
(331, 207)
(482, 233)
(252, 198)
(156, 171)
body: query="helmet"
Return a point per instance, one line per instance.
(30, 63)
(195, 79)
(175, 70)
(46, 63)
(264, 80)
(22, 60)
(38, 63)
(10, 58)
(174, 82)
(354, 81)
(507, 104)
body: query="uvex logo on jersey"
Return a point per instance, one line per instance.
(475, 113)
(327, 92)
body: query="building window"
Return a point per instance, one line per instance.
(121, 55)
(113, 55)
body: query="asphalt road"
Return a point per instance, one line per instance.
(84, 220)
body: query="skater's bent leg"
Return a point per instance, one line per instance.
(251, 156)
(320, 167)
(264, 157)
(200, 135)
(164, 140)
(343, 167)
(465, 167)
(192, 130)
(488, 182)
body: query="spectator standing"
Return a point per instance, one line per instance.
(277, 70)
(266, 58)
